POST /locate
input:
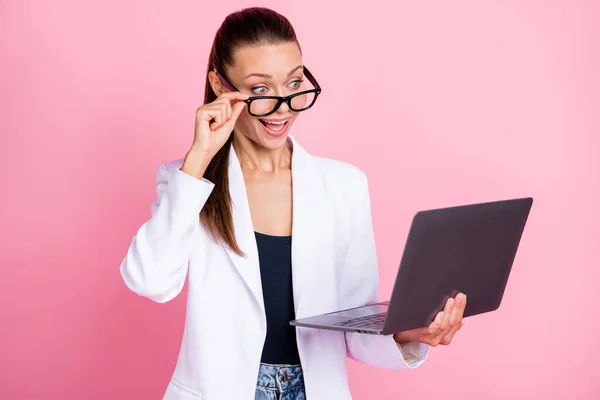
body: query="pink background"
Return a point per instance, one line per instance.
(440, 103)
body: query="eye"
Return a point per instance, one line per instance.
(296, 84)
(259, 90)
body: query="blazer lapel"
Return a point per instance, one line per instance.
(309, 232)
(247, 265)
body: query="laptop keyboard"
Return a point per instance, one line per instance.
(374, 321)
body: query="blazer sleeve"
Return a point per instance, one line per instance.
(360, 285)
(157, 259)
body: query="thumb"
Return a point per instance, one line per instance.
(236, 110)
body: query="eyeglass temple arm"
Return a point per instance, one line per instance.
(225, 81)
(310, 77)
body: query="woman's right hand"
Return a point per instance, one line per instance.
(214, 124)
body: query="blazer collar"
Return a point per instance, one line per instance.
(307, 195)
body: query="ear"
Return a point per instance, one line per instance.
(216, 84)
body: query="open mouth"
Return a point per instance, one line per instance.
(275, 127)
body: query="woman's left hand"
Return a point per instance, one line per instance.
(442, 329)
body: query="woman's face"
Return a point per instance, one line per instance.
(268, 70)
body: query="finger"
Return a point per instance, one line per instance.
(422, 334)
(224, 102)
(428, 330)
(226, 107)
(219, 119)
(438, 323)
(447, 339)
(445, 327)
(456, 320)
(208, 113)
(434, 328)
(457, 310)
(435, 331)
(233, 96)
(235, 113)
(213, 117)
(448, 310)
(463, 302)
(222, 118)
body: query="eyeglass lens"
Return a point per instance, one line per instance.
(297, 103)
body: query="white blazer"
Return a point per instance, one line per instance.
(334, 266)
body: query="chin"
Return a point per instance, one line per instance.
(272, 143)
(273, 139)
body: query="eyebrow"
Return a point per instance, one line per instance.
(269, 76)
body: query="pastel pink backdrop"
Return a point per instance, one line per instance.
(441, 103)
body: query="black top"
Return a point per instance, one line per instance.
(275, 256)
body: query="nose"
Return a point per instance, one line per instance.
(283, 108)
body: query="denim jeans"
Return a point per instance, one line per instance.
(280, 382)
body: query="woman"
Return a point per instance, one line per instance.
(265, 233)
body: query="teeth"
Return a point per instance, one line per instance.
(275, 123)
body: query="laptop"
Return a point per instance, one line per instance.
(469, 249)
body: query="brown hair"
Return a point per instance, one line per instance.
(251, 26)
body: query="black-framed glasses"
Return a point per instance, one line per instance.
(262, 106)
